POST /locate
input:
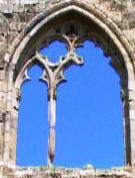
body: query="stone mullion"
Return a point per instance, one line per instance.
(52, 125)
(53, 76)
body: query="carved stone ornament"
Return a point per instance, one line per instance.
(53, 75)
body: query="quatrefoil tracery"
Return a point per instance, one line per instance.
(53, 73)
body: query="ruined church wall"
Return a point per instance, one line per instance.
(14, 17)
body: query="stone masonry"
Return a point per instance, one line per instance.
(25, 26)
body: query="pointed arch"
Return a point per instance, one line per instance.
(113, 42)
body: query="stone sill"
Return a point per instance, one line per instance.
(14, 171)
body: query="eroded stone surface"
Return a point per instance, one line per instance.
(45, 172)
(17, 20)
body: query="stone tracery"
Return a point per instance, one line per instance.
(54, 75)
(73, 36)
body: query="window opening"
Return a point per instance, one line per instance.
(53, 74)
(33, 121)
(89, 113)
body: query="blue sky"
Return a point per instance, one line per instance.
(89, 114)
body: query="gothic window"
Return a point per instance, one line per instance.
(55, 43)
(77, 68)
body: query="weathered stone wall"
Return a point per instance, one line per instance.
(14, 18)
(42, 172)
